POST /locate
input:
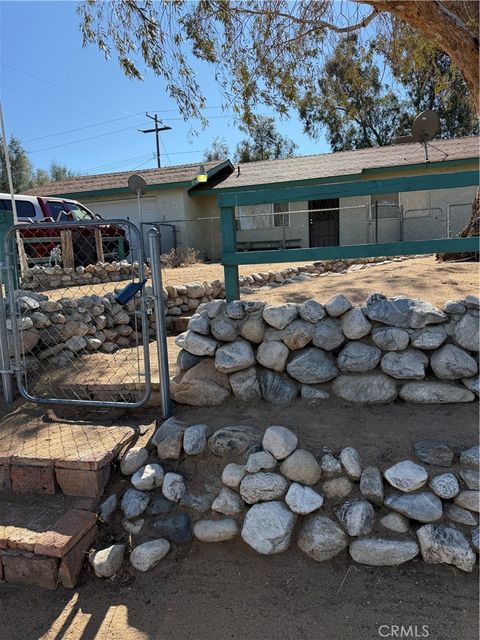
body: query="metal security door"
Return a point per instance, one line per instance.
(323, 220)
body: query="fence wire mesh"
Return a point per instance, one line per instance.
(73, 337)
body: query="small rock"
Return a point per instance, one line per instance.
(215, 530)
(470, 459)
(337, 488)
(158, 505)
(469, 500)
(371, 485)
(227, 502)
(195, 439)
(148, 477)
(471, 478)
(233, 440)
(441, 544)
(168, 439)
(395, 522)
(261, 460)
(175, 527)
(356, 516)
(107, 508)
(424, 507)
(107, 562)
(279, 441)
(320, 538)
(303, 500)
(268, 527)
(173, 487)
(260, 487)
(233, 474)
(148, 555)
(351, 462)
(434, 452)
(406, 476)
(134, 503)
(458, 514)
(133, 460)
(301, 466)
(445, 486)
(383, 552)
(330, 466)
(201, 504)
(337, 305)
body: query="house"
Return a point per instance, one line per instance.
(189, 213)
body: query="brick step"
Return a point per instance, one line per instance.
(41, 456)
(44, 540)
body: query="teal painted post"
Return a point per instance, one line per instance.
(229, 245)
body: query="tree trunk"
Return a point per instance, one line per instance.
(444, 27)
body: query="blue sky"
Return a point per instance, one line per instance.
(49, 85)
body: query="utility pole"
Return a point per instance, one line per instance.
(156, 130)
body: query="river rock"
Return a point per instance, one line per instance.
(403, 312)
(195, 439)
(445, 486)
(301, 466)
(328, 334)
(406, 476)
(273, 355)
(424, 507)
(458, 514)
(433, 392)
(395, 522)
(201, 504)
(441, 544)
(262, 486)
(371, 485)
(134, 503)
(279, 441)
(367, 388)
(471, 478)
(358, 357)
(434, 452)
(429, 338)
(200, 323)
(312, 311)
(354, 324)
(233, 440)
(253, 328)
(260, 461)
(234, 356)
(278, 388)
(233, 474)
(173, 487)
(407, 364)
(330, 466)
(148, 477)
(245, 385)
(106, 562)
(466, 331)
(196, 344)
(224, 329)
(303, 500)
(175, 527)
(227, 502)
(215, 530)
(390, 338)
(452, 363)
(159, 505)
(169, 438)
(268, 527)
(470, 459)
(337, 305)
(469, 500)
(356, 517)
(312, 366)
(320, 538)
(148, 555)
(351, 462)
(281, 315)
(133, 459)
(383, 552)
(337, 488)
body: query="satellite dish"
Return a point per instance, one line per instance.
(137, 184)
(425, 126)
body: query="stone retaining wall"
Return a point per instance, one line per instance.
(387, 348)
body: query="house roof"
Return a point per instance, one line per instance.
(180, 175)
(341, 163)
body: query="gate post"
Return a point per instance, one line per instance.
(5, 364)
(229, 245)
(160, 328)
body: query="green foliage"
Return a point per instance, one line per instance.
(264, 142)
(218, 150)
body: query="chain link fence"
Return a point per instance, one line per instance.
(76, 313)
(458, 216)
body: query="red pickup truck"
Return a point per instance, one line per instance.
(38, 210)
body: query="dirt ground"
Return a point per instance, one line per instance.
(425, 278)
(227, 591)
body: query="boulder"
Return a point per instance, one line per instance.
(196, 344)
(215, 530)
(454, 307)
(337, 305)
(148, 555)
(133, 459)
(390, 338)
(245, 385)
(429, 338)
(273, 355)
(277, 388)
(195, 439)
(320, 538)
(202, 386)
(367, 388)
(441, 544)
(106, 562)
(354, 324)
(173, 487)
(134, 503)
(233, 440)
(312, 366)
(433, 392)
(371, 485)
(279, 441)
(262, 487)
(351, 462)
(224, 329)
(148, 477)
(268, 527)
(235, 310)
(233, 474)
(234, 356)
(200, 323)
(253, 328)
(466, 330)
(356, 517)
(260, 461)
(406, 476)
(312, 311)
(337, 488)
(395, 522)
(297, 334)
(328, 334)
(452, 363)
(424, 507)
(301, 466)
(403, 312)
(383, 552)
(358, 357)
(407, 364)
(434, 452)
(445, 486)
(281, 315)
(227, 502)
(303, 500)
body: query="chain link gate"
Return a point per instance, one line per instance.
(77, 313)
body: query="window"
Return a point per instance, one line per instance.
(24, 209)
(57, 211)
(281, 217)
(78, 211)
(262, 216)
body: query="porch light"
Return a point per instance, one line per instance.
(202, 175)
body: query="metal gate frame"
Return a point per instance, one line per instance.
(19, 370)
